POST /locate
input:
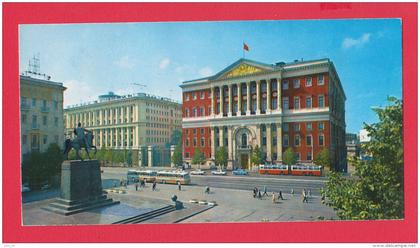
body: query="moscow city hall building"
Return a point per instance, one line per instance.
(274, 106)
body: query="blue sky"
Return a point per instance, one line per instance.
(92, 59)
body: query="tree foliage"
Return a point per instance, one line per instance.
(177, 156)
(221, 156)
(198, 157)
(376, 190)
(323, 158)
(289, 157)
(257, 156)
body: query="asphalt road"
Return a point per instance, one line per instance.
(273, 183)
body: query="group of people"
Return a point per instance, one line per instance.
(256, 193)
(305, 195)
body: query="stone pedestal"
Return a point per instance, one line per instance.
(81, 188)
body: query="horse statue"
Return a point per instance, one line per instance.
(77, 145)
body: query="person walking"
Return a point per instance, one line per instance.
(259, 194)
(274, 197)
(304, 196)
(254, 192)
(309, 193)
(207, 190)
(179, 186)
(280, 195)
(292, 192)
(265, 191)
(137, 186)
(154, 186)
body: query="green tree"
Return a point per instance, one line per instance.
(177, 156)
(54, 159)
(176, 137)
(198, 157)
(289, 156)
(257, 156)
(323, 158)
(376, 190)
(221, 156)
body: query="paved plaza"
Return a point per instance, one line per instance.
(232, 206)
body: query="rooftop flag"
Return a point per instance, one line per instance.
(246, 47)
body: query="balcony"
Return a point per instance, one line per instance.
(45, 109)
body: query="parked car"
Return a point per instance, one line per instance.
(218, 172)
(240, 172)
(45, 187)
(25, 188)
(197, 172)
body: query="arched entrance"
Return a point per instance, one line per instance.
(243, 148)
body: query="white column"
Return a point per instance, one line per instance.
(221, 98)
(230, 100)
(212, 101)
(230, 150)
(268, 110)
(150, 156)
(258, 111)
(259, 135)
(221, 140)
(279, 142)
(213, 143)
(268, 138)
(239, 91)
(248, 96)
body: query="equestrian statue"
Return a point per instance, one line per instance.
(84, 139)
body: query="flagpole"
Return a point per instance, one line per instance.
(243, 50)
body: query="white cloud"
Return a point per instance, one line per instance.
(78, 92)
(164, 63)
(125, 62)
(350, 42)
(205, 71)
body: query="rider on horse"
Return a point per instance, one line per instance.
(81, 137)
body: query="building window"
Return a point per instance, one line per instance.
(187, 113)
(273, 127)
(202, 131)
(285, 84)
(309, 140)
(296, 104)
(194, 112)
(320, 126)
(320, 79)
(187, 154)
(194, 131)
(309, 126)
(45, 139)
(202, 142)
(33, 102)
(274, 141)
(296, 83)
(187, 142)
(194, 95)
(285, 103)
(209, 93)
(297, 155)
(209, 111)
(285, 127)
(297, 140)
(202, 94)
(194, 142)
(285, 140)
(24, 139)
(44, 120)
(321, 139)
(264, 141)
(308, 102)
(274, 103)
(23, 119)
(308, 81)
(321, 103)
(296, 127)
(309, 155)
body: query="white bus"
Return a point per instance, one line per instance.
(173, 177)
(147, 175)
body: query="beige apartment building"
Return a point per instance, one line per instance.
(41, 107)
(133, 122)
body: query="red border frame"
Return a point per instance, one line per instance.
(339, 231)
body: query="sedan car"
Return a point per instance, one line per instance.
(25, 188)
(218, 172)
(197, 172)
(240, 172)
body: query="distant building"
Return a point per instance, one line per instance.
(133, 122)
(353, 145)
(364, 136)
(300, 105)
(41, 109)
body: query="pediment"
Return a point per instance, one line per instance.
(242, 69)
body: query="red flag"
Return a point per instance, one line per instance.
(246, 47)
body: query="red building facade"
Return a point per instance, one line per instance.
(248, 104)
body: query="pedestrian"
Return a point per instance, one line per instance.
(254, 192)
(137, 186)
(309, 193)
(179, 186)
(259, 194)
(207, 190)
(274, 197)
(265, 191)
(292, 192)
(154, 186)
(304, 197)
(280, 195)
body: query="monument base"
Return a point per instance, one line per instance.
(81, 188)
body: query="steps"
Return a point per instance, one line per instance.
(147, 216)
